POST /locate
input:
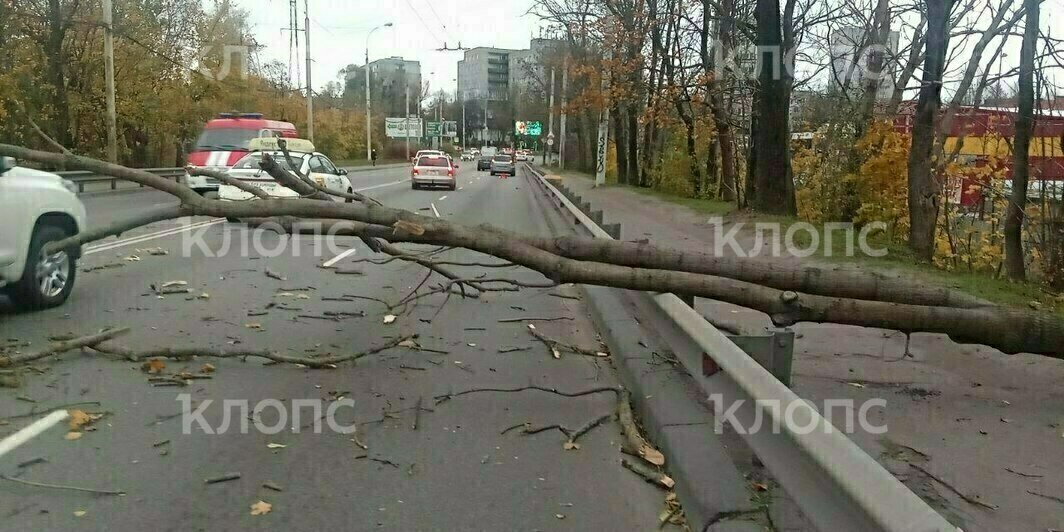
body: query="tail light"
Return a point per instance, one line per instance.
(450, 173)
(415, 172)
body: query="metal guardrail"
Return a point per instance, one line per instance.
(836, 484)
(84, 177)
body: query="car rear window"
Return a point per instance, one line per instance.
(433, 161)
(501, 158)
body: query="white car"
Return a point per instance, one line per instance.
(434, 170)
(37, 208)
(312, 164)
(422, 153)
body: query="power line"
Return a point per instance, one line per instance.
(422, 21)
(439, 19)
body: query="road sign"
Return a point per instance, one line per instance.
(433, 129)
(393, 128)
(550, 139)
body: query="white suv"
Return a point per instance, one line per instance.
(36, 208)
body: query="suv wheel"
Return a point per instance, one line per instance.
(46, 279)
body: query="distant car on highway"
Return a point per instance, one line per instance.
(37, 208)
(225, 140)
(311, 163)
(484, 163)
(503, 165)
(524, 155)
(434, 170)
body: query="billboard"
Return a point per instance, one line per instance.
(532, 129)
(393, 128)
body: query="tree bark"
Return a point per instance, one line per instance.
(770, 175)
(1014, 256)
(924, 186)
(1010, 330)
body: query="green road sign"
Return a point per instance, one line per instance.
(433, 129)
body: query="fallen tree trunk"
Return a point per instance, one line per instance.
(1010, 330)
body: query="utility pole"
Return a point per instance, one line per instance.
(565, 113)
(484, 141)
(310, 87)
(406, 122)
(369, 124)
(548, 147)
(109, 80)
(603, 131)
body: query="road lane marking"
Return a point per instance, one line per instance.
(31, 431)
(382, 185)
(460, 188)
(338, 258)
(150, 236)
(434, 211)
(442, 198)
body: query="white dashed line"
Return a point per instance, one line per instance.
(434, 210)
(383, 185)
(338, 258)
(34, 429)
(89, 250)
(460, 188)
(442, 198)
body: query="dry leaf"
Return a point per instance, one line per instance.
(571, 446)
(253, 325)
(560, 516)
(856, 384)
(153, 366)
(79, 513)
(275, 446)
(390, 319)
(409, 227)
(760, 487)
(601, 354)
(261, 508)
(554, 351)
(652, 455)
(409, 344)
(667, 481)
(78, 418)
(207, 368)
(71, 436)
(204, 295)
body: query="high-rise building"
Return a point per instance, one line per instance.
(388, 80)
(488, 78)
(849, 61)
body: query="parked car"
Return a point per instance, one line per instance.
(37, 208)
(503, 165)
(434, 170)
(311, 163)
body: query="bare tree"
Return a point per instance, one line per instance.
(1014, 256)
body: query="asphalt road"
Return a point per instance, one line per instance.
(454, 471)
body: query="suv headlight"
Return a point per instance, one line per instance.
(71, 186)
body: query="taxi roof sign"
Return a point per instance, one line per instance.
(270, 144)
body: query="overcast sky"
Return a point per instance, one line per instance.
(338, 30)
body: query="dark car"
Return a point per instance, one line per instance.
(484, 163)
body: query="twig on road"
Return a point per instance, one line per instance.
(186, 353)
(62, 487)
(62, 347)
(518, 320)
(553, 345)
(657, 478)
(221, 478)
(950, 487)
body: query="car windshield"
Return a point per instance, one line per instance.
(225, 139)
(434, 161)
(251, 160)
(501, 158)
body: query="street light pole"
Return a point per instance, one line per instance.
(369, 128)
(310, 87)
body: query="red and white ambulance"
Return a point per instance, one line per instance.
(225, 140)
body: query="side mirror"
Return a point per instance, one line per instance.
(6, 163)
(456, 167)
(343, 171)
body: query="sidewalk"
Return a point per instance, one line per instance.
(988, 424)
